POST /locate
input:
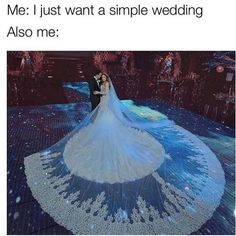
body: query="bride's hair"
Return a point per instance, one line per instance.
(107, 78)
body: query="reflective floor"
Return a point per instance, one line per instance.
(31, 129)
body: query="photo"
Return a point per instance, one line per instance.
(121, 142)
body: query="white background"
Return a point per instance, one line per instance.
(214, 31)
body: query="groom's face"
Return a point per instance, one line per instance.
(99, 75)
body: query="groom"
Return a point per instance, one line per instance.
(94, 85)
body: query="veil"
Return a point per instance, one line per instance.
(121, 112)
(177, 200)
(129, 118)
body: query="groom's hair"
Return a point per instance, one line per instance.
(96, 72)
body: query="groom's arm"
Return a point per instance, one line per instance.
(91, 86)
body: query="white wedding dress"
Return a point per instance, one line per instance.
(109, 151)
(112, 175)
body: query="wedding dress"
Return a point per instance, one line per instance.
(109, 150)
(118, 173)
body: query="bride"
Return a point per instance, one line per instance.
(118, 173)
(109, 149)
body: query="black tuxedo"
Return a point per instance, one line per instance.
(94, 86)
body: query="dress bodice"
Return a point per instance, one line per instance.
(104, 89)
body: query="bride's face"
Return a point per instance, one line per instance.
(104, 78)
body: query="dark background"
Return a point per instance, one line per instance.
(194, 80)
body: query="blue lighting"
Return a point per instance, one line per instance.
(31, 129)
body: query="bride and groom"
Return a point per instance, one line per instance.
(99, 81)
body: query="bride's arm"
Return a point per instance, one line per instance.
(106, 90)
